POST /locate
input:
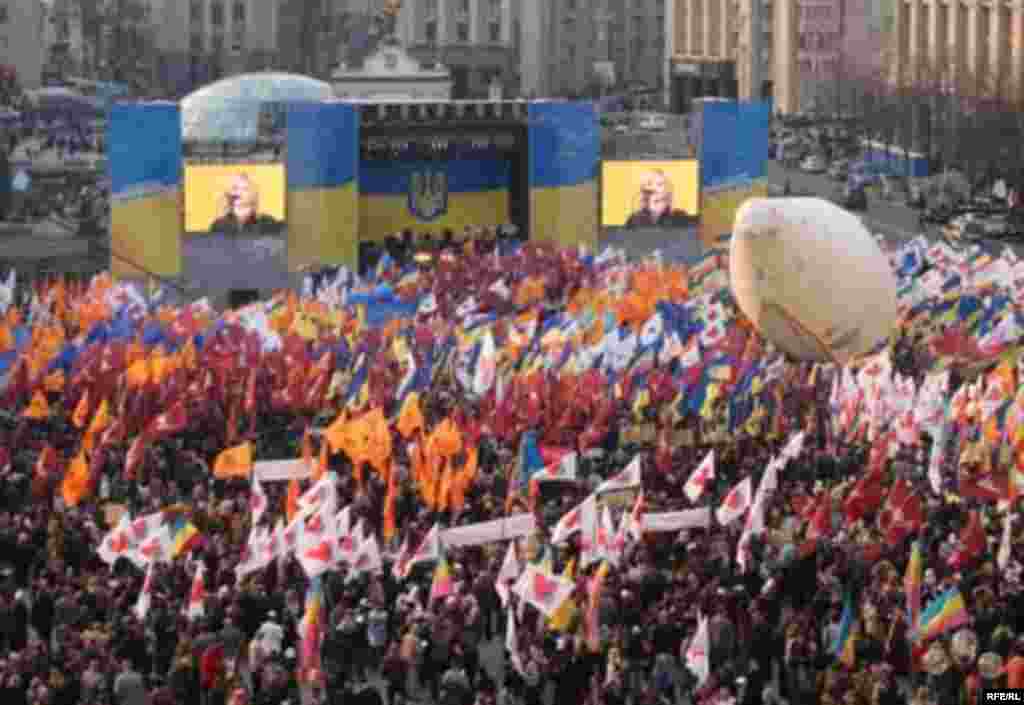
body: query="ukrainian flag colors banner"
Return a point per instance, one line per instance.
(206, 185)
(323, 200)
(733, 152)
(144, 157)
(733, 141)
(430, 196)
(719, 206)
(565, 150)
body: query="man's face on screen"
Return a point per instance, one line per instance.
(243, 198)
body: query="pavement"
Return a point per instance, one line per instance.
(891, 218)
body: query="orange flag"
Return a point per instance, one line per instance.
(388, 525)
(75, 485)
(81, 416)
(378, 441)
(38, 408)
(234, 462)
(137, 373)
(463, 480)
(291, 500)
(336, 432)
(6, 338)
(410, 418)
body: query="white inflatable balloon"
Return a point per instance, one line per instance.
(811, 278)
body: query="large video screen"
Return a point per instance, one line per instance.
(235, 227)
(650, 194)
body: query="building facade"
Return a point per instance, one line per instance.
(199, 41)
(746, 49)
(590, 47)
(474, 39)
(21, 40)
(65, 52)
(974, 47)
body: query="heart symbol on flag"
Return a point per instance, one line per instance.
(321, 552)
(346, 543)
(543, 586)
(119, 543)
(735, 499)
(139, 528)
(150, 549)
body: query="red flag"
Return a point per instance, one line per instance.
(972, 543)
(820, 524)
(898, 496)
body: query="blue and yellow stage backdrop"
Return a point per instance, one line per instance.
(430, 196)
(144, 158)
(733, 152)
(323, 198)
(565, 152)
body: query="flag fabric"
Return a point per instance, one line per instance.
(145, 595)
(185, 536)
(565, 469)
(912, 581)
(75, 485)
(507, 574)
(428, 550)
(736, 503)
(844, 648)
(635, 521)
(311, 630)
(629, 478)
(544, 591)
(973, 543)
(583, 517)
(442, 584)
(258, 502)
(117, 542)
(946, 612)
(197, 594)
(368, 558)
(698, 653)
(156, 547)
(700, 477)
(234, 462)
(38, 408)
(592, 616)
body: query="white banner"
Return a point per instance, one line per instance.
(277, 470)
(677, 521)
(505, 529)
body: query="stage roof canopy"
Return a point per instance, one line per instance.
(229, 109)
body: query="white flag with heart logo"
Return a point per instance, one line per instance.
(735, 504)
(701, 477)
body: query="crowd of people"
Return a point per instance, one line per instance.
(706, 520)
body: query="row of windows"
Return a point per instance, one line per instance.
(461, 6)
(462, 31)
(197, 42)
(217, 12)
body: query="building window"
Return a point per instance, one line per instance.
(495, 31)
(431, 8)
(464, 7)
(196, 42)
(462, 32)
(237, 39)
(217, 13)
(238, 13)
(3, 13)
(218, 43)
(430, 31)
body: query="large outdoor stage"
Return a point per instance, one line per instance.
(354, 172)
